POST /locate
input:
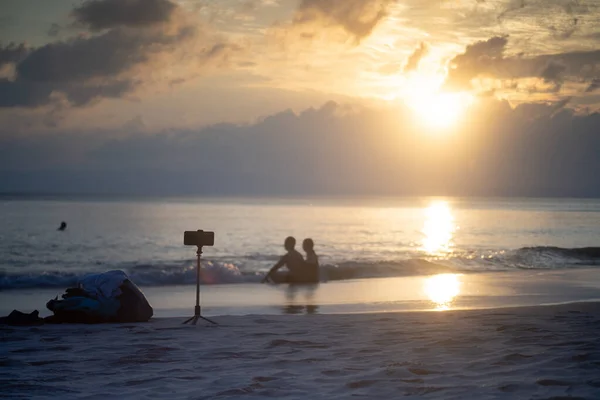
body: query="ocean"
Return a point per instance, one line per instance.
(354, 238)
(433, 297)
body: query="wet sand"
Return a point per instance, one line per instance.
(420, 293)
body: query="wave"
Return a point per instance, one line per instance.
(218, 272)
(142, 275)
(547, 257)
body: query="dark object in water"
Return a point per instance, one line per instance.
(63, 226)
(107, 297)
(18, 318)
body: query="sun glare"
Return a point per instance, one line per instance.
(442, 289)
(433, 107)
(439, 110)
(438, 229)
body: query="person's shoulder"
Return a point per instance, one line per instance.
(295, 254)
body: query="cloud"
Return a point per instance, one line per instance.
(513, 6)
(54, 30)
(553, 72)
(22, 93)
(138, 40)
(532, 150)
(487, 58)
(83, 68)
(101, 56)
(13, 53)
(478, 58)
(416, 56)
(358, 18)
(594, 85)
(105, 14)
(566, 30)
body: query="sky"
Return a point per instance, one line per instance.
(301, 97)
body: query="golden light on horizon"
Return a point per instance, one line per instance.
(438, 228)
(442, 289)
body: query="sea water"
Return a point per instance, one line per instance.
(354, 238)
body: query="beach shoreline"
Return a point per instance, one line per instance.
(485, 290)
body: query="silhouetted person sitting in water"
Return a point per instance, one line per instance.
(294, 263)
(311, 264)
(63, 226)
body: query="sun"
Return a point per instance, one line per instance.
(434, 108)
(439, 110)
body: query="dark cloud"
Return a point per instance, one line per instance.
(15, 94)
(101, 56)
(104, 14)
(594, 85)
(54, 30)
(478, 58)
(82, 58)
(84, 68)
(109, 64)
(553, 72)
(416, 56)
(357, 17)
(532, 150)
(21, 93)
(487, 58)
(13, 53)
(560, 105)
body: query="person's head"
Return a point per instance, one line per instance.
(290, 243)
(308, 244)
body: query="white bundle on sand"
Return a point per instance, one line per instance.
(105, 285)
(105, 297)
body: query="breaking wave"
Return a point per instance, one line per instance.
(216, 272)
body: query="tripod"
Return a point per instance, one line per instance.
(197, 315)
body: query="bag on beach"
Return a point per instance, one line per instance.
(106, 297)
(18, 318)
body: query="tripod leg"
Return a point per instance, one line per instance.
(194, 320)
(206, 319)
(197, 311)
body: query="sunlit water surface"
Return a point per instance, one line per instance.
(354, 238)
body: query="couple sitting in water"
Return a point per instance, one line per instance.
(299, 269)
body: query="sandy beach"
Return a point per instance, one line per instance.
(547, 352)
(473, 336)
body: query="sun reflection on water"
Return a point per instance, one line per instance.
(438, 228)
(442, 289)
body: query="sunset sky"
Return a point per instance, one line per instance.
(105, 85)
